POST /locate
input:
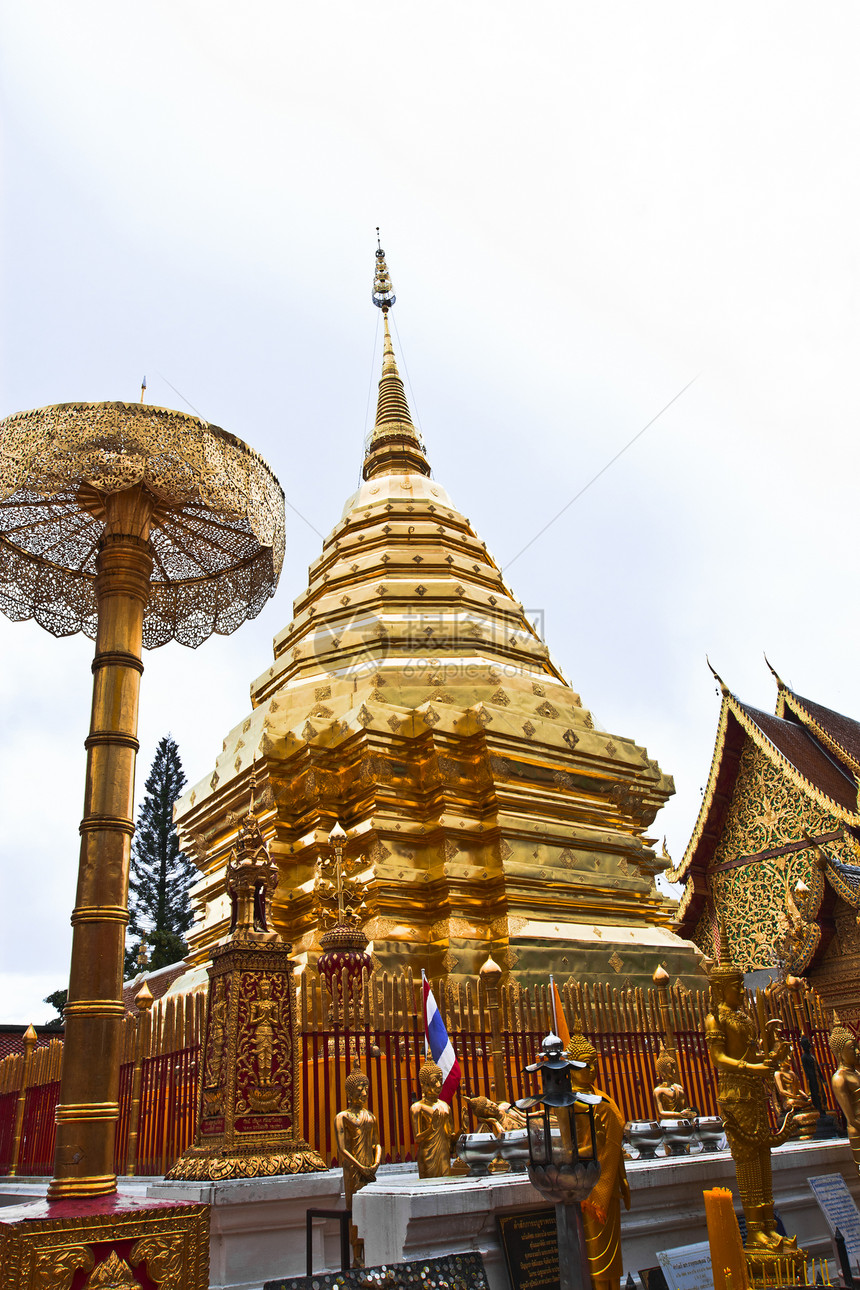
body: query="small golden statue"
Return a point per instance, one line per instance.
(601, 1212)
(791, 1096)
(743, 1074)
(263, 1018)
(432, 1125)
(846, 1082)
(669, 1096)
(494, 1117)
(358, 1147)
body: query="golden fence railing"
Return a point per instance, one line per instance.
(496, 1031)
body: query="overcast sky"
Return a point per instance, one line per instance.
(584, 209)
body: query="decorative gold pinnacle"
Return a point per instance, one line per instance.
(383, 292)
(392, 410)
(340, 893)
(394, 447)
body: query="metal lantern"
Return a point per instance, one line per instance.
(559, 1168)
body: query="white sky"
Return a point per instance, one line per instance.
(584, 207)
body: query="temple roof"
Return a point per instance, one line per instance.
(817, 771)
(790, 747)
(813, 747)
(840, 735)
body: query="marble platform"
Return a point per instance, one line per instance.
(258, 1226)
(409, 1218)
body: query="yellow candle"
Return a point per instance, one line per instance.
(724, 1238)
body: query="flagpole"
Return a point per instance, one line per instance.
(424, 1015)
(552, 996)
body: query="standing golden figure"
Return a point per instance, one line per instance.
(744, 1076)
(358, 1147)
(264, 1017)
(846, 1082)
(601, 1212)
(432, 1125)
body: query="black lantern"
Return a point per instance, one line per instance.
(563, 1160)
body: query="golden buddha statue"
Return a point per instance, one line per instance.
(743, 1074)
(358, 1147)
(494, 1117)
(669, 1096)
(601, 1212)
(432, 1125)
(846, 1082)
(792, 1096)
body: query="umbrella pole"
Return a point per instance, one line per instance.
(89, 1095)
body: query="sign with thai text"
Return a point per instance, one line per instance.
(839, 1209)
(687, 1267)
(530, 1244)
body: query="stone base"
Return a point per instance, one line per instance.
(199, 1164)
(783, 1268)
(461, 1270)
(257, 1226)
(109, 1240)
(402, 1217)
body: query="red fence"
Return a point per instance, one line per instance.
(495, 1033)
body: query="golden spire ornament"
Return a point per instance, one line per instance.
(395, 446)
(383, 292)
(340, 904)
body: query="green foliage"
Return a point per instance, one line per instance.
(57, 1000)
(159, 905)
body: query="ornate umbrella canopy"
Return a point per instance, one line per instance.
(216, 530)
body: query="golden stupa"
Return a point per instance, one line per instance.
(411, 700)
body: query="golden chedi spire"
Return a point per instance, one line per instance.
(411, 697)
(394, 446)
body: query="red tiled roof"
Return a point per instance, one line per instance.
(807, 756)
(840, 729)
(159, 983)
(12, 1038)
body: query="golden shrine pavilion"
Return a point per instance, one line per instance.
(411, 700)
(775, 849)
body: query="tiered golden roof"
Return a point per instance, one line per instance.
(411, 699)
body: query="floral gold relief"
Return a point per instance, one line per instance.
(164, 1259)
(115, 1250)
(55, 1269)
(112, 1274)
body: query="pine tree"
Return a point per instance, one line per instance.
(57, 1000)
(159, 904)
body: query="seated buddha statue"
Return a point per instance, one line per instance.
(669, 1097)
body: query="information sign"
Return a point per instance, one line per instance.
(839, 1209)
(687, 1267)
(530, 1244)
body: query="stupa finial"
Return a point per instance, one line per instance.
(383, 292)
(394, 447)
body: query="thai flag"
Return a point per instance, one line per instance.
(441, 1048)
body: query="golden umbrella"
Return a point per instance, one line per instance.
(136, 525)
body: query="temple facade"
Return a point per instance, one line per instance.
(775, 850)
(411, 700)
